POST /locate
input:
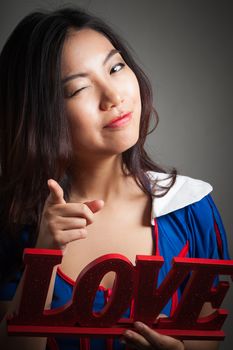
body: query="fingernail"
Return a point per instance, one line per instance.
(139, 325)
(128, 334)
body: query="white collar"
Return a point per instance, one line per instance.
(185, 191)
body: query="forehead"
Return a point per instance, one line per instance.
(83, 49)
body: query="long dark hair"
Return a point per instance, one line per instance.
(34, 133)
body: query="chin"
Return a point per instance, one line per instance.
(124, 146)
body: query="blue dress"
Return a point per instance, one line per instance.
(194, 230)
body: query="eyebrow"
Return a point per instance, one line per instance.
(83, 75)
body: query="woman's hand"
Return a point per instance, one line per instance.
(63, 222)
(148, 339)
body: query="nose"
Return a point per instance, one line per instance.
(110, 98)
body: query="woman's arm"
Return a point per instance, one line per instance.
(53, 234)
(12, 342)
(6, 308)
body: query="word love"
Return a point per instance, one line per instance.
(137, 283)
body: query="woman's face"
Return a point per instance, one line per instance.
(102, 97)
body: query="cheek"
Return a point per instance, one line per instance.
(80, 114)
(134, 90)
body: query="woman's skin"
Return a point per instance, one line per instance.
(106, 212)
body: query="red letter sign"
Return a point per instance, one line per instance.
(137, 284)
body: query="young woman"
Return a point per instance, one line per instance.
(75, 111)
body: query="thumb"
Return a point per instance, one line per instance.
(56, 195)
(95, 205)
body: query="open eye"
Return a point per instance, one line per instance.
(117, 67)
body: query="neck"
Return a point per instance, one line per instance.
(98, 180)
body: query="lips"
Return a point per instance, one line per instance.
(119, 121)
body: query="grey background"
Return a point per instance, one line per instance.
(186, 47)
